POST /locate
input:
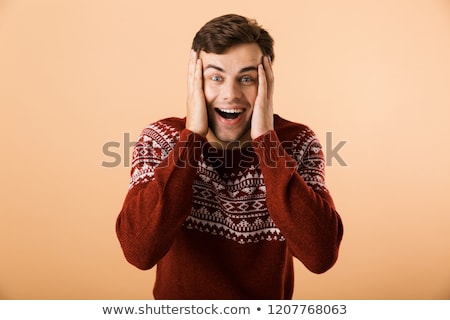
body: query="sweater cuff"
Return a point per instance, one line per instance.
(271, 152)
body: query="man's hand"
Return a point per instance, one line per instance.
(262, 118)
(197, 116)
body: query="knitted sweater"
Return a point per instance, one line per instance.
(225, 224)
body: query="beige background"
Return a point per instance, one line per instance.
(75, 75)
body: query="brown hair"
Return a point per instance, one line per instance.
(223, 32)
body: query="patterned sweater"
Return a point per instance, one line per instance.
(225, 224)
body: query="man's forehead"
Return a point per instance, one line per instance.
(239, 56)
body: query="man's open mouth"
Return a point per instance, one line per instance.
(229, 113)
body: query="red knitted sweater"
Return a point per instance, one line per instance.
(225, 224)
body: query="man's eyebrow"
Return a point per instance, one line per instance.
(211, 66)
(246, 69)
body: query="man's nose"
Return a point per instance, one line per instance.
(231, 91)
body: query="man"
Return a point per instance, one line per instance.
(222, 200)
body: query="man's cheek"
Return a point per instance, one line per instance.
(209, 96)
(252, 94)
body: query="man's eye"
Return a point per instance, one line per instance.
(246, 79)
(216, 78)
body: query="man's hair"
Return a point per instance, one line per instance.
(221, 33)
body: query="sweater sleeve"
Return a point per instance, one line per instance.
(298, 201)
(160, 196)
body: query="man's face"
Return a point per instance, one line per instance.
(230, 83)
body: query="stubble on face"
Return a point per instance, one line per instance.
(230, 99)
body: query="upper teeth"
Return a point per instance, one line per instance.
(231, 110)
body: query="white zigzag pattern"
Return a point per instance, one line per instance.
(234, 207)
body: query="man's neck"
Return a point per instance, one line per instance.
(243, 142)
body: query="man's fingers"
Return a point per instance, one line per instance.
(262, 118)
(195, 74)
(196, 117)
(198, 75)
(262, 82)
(191, 69)
(269, 75)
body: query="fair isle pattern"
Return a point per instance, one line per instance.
(307, 152)
(231, 205)
(153, 146)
